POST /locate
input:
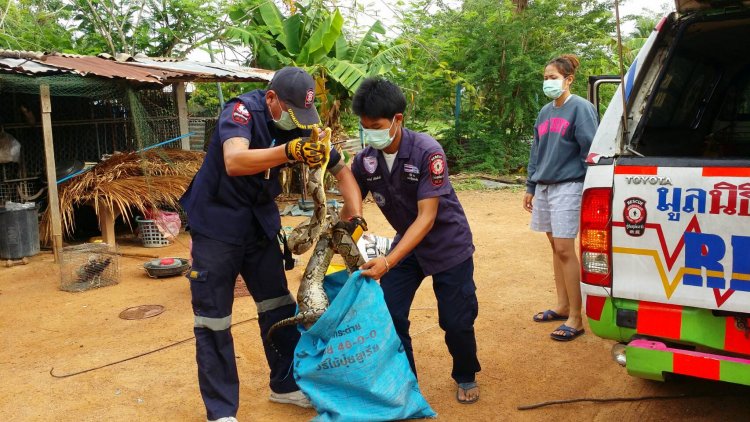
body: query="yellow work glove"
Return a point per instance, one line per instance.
(312, 151)
(314, 154)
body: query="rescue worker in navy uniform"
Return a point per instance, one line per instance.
(234, 223)
(407, 175)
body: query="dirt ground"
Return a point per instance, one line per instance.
(44, 327)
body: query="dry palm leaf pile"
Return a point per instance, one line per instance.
(127, 182)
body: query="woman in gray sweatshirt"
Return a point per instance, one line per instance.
(563, 133)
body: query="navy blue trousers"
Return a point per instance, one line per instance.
(457, 309)
(212, 279)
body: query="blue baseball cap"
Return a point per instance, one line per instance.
(296, 88)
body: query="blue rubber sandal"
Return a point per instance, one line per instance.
(466, 386)
(569, 333)
(549, 315)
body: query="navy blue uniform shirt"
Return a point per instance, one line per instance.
(222, 207)
(419, 172)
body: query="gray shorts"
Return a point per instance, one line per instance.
(557, 209)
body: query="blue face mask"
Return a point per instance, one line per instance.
(379, 138)
(553, 88)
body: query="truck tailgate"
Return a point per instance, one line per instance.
(681, 235)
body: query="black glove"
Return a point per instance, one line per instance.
(352, 224)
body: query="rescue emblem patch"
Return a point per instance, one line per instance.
(309, 98)
(379, 199)
(370, 163)
(240, 114)
(437, 168)
(634, 215)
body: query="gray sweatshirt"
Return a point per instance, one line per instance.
(562, 138)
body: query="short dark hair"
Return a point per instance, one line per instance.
(378, 98)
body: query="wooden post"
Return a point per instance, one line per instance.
(181, 100)
(106, 217)
(49, 155)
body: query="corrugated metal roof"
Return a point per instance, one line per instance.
(21, 54)
(141, 69)
(209, 72)
(90, 65)
(28, 67)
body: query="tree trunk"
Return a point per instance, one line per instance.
(521, 5)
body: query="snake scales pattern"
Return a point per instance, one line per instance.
(329, 236)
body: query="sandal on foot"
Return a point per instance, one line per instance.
(568, 333)
(549, 315)
(466, 386)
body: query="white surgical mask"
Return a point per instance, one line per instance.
(285, 122)
(553, 88)
(379, 138)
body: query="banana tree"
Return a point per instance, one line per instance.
(313, 37)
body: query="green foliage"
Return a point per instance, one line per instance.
(467, 184)
(312, 36)
(34, 25)
(495, 49)
(152, 27)
(204, 101)
(498, 54)
(644, 26)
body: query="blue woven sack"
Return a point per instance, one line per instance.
(351, 363)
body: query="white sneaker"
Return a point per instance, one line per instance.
(224, 419)
(296, 398)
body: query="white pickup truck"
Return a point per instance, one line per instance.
(665, 220)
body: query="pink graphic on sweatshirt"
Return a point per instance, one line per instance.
(554, 124)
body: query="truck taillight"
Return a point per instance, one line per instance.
(596, 237)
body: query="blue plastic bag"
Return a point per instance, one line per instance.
(351, 363)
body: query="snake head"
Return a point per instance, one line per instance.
(359, 221)
(314, 134)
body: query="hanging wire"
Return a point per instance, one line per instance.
(622, 72)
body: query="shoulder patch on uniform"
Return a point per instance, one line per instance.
(240, 114)
(437, 168)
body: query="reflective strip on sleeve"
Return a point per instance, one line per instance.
(277, 302)
(213, 324)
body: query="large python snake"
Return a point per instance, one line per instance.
(329, 236)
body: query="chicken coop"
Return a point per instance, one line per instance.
(110, 133)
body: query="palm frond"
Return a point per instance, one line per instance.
(127, 182)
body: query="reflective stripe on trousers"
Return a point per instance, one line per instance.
(275, 303)
(213, 324)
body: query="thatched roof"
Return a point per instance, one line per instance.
(127, 182)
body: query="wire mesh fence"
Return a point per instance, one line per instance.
(91, 118)
(88, 266)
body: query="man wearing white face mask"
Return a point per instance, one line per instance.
(563, 133)
(407, 174)
(234, 223)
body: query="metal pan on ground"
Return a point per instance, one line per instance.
(166, 267)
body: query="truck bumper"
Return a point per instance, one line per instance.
(652, 359)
